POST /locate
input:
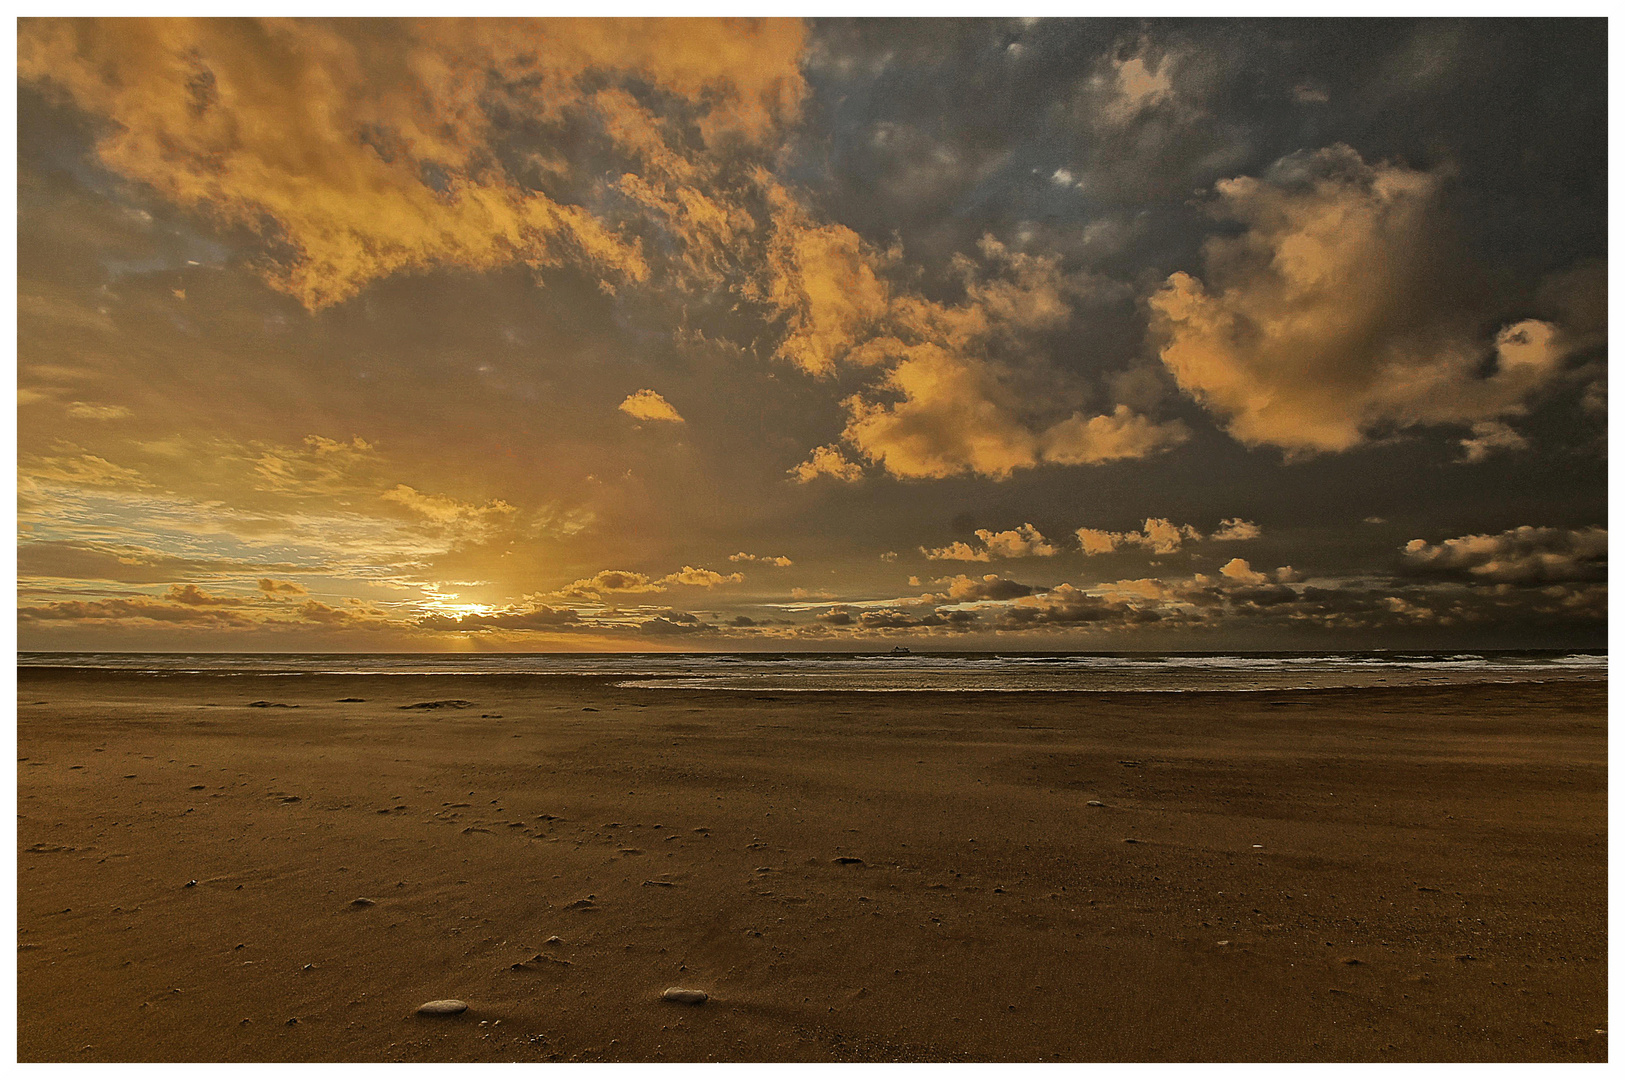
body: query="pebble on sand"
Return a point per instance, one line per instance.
(363, 901)
(684, 996)
(1094, 802)
(442, 1007)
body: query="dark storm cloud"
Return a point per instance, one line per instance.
(1523, 556)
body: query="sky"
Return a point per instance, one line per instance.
(394, 335)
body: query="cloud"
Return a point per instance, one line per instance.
(827, 461)
(648, 405)
(965, 589)
(954, 415)
(612, 581)
(78, 470)
(958, 551)
(320, 465)
(136, 609)
(890, 619)
(192, 596)
(1015, 543)
(1121, 435)
(1239, 571)
(362, 150)
(356, 616)
(457, 522)
(1138, 86)
(1523, 555)
(1489, 437)
(938, 404)
(1160, 536)
(90, 410)
(765, 560)
(701, 578)
(538, 617)
(1320, 322)
(824, 283)
(273, 587)
(1066, 605)
(1236, 529)
(1025, 540)
(629, 583)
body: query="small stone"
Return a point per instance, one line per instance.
(685, 997)
(848, 860)
(362, 901)
(442, 1007)
(1094, 802)
(554, 940)
(190, 884)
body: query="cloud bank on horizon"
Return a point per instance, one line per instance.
(508, 334)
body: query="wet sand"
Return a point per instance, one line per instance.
(1373, 874)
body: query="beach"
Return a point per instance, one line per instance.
(265, 868)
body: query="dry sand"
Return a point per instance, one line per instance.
(1405, 874)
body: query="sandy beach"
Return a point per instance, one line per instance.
(259, 868)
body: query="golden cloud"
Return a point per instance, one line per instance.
(365, 149)
(648, 405)
(1313, 326)
(1159, 535)
(827, 461)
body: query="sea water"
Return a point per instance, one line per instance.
(896, 672)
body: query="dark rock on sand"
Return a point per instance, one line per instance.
(449, 703)
(442, 1007)
(270, 705)
(362, 901)
(683, 996)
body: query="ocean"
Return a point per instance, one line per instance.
(885, 672)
